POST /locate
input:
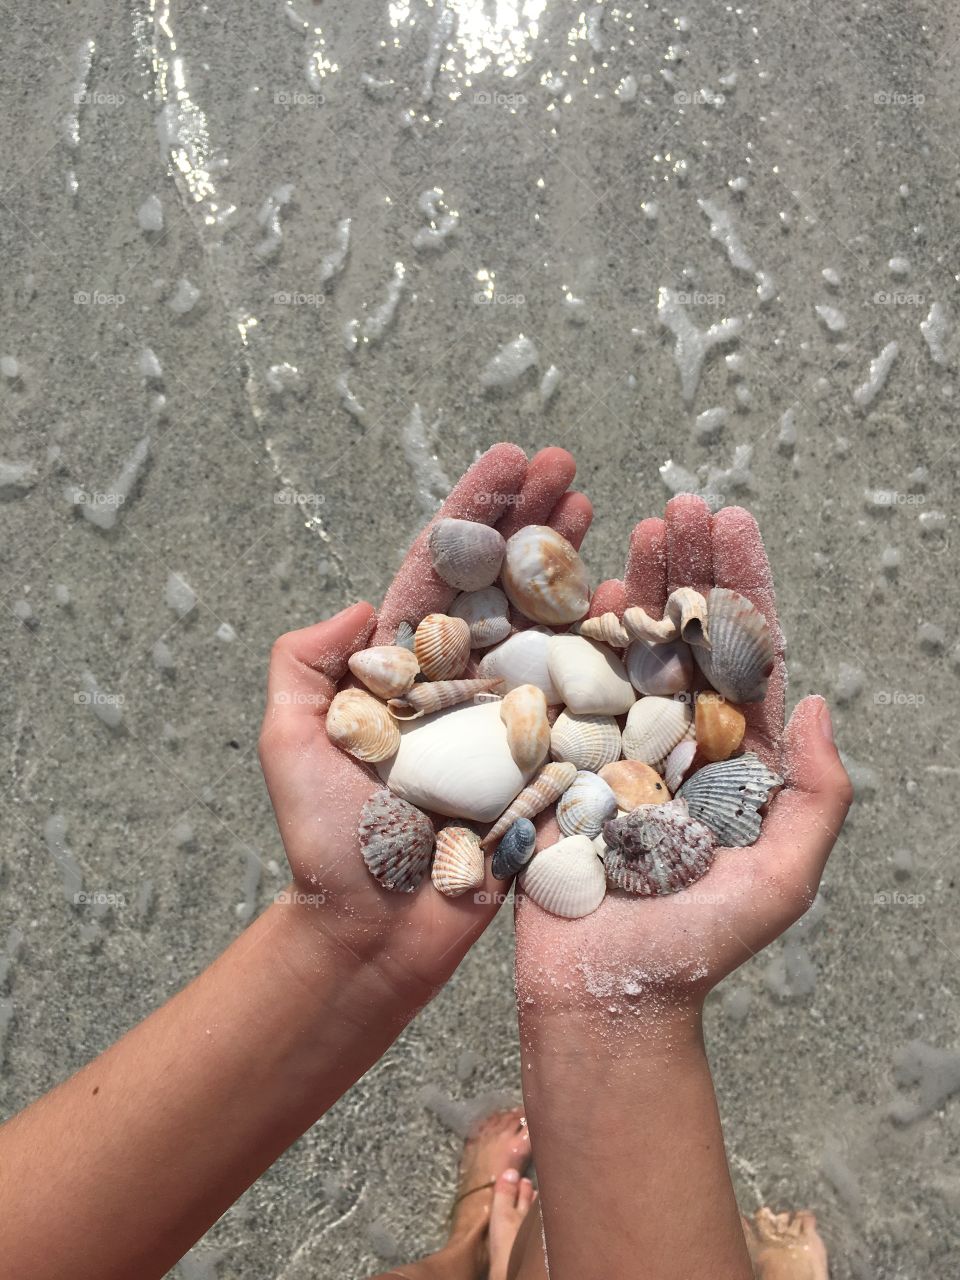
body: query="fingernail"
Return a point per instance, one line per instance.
(511, 1175)
(826, 724)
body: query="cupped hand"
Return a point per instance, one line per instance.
(673, 949)
(317, 790)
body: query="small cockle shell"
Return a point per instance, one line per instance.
(404, 636)
(456, 762)
(740, 658)
(654, 727)
(567, 879)
(720, 726)
(387, 669)
(522, 660)
(485, 613)
(442, 646)
(466, 554)
(549, 785)
(396, 840)
(585, 741)
(657, 849)
(728, 796)
(634, 783)
(585, 805)
(608, 628)
(423, 699)
(457, 861)
(589, 676)
(544, 576)
(678, 763)
(358, 723)
(515, 849)
(524, 712)
(660, 669)
(685, 617)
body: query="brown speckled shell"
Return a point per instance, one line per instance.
(657, 849)
(396, 840)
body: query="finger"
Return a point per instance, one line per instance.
(313, 660)
(571, 517)
(689, 544)
(481, 494)
(805, 818)
(645, 579)
(609, 597)
(740, 563)
(549, 473)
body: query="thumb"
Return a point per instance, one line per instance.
(806, 817)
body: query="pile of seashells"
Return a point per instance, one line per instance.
(638, 717)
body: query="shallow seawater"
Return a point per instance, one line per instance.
(274, 279)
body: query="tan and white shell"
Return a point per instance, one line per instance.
(458, 864)
(740, 658)
(654, 727)
(548, 786)
(684, 618)
(544, 577)
(524, 712)
(442, 646)
(567, 879)
(387, 670)
(436, 695)
(590, 677)
(585, 741)
(634, 783)
(358, 723)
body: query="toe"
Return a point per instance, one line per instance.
(506, 1189)
(525, 1194)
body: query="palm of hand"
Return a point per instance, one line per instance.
(683, 944)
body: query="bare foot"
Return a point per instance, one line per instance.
(499, 1143)
(785, 1246)
(512, 1198)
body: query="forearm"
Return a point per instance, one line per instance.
(629, 1149)
(144, 1148)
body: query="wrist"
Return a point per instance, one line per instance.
(605, 1031)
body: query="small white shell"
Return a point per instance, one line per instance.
(456, 762)
(387, 669)
(589, 676)
(660, 669)
(522, 660)
(457, 861)
(544, 576)
(485, 613)
(654, 727)
(442, 646)
(678, 763)
(358, 723)
(585, 805)
(524, 712)
(466, 554)
(740, 658)
(586, 741)
(567, 879)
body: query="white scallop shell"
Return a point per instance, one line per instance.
(728, 796)
(442, 646)
(544, 576)
(456, 762)
(457, 861)
(567, 879)
(586, 741)
(660, 669)
(387, 669)
(585, 805)
(466, 554)
(522, 660)
(358, 723)
(654, 727)
(589, 676)
(524, 712)
(485, 613)
(741, 655)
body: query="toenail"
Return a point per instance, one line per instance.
(511, 1175)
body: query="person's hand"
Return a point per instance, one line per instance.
(664, 953)
(418, 939)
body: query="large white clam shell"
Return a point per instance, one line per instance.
(740, 658)
(485, 613)
(654, 727)
(457, 861)
(585, 741)
(466, 554)
(589, 676)
(358, 723)
(544, 576)
(524, 712)
(567, 879)
(522, 660)
(660, 669)
(386, 669)
(456, 762)
(585, 805)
